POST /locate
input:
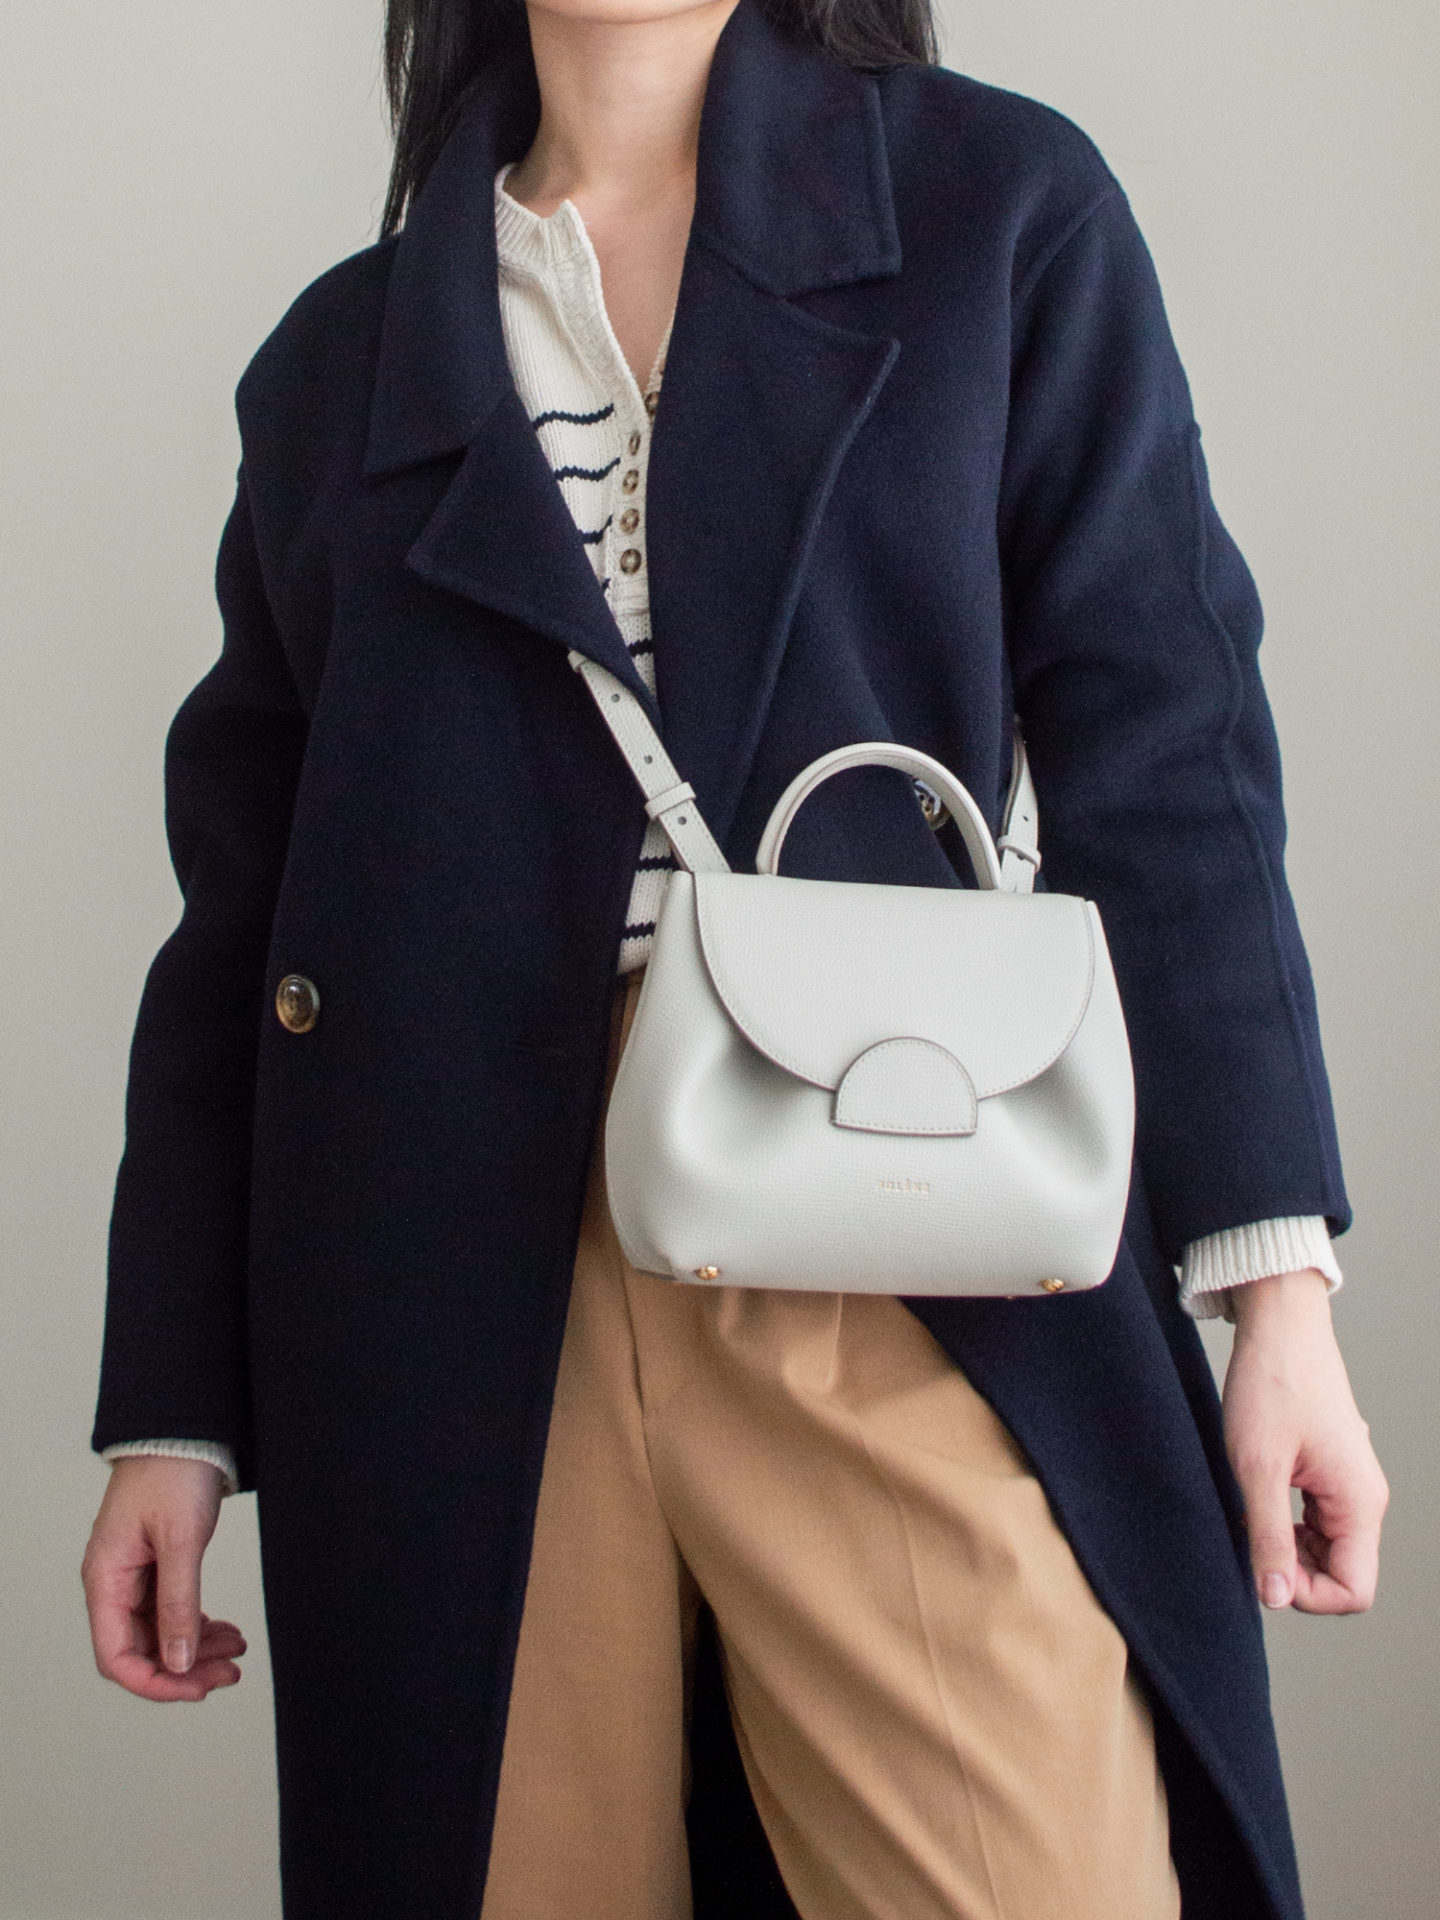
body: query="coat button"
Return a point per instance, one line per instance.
(297, 1001)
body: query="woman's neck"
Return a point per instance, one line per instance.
(619, 129)
(620, 105)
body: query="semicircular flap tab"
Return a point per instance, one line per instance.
(815, 972)
(907, 1086)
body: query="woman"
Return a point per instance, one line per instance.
(976, 1575)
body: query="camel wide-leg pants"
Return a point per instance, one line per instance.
(934, 1712)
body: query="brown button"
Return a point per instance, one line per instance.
(633, 443)
(630, 560)
(631, 480)
(629, 519)
(652, 400)
(297, 1001)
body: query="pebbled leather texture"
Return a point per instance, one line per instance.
(906, 1086)
(815, 971)
(725, 1165)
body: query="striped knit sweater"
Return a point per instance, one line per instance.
(593, 424)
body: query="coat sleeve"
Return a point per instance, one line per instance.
(1133, 627)
(174, 1353)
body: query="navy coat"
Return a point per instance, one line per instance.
(925, 455)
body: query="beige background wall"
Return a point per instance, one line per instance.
(173, 174)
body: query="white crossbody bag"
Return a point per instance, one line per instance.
(861, 1088)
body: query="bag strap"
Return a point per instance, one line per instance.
(1019, 841)
(1008, 863)
(668, 798)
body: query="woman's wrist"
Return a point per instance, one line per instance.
(1281, 1298)
(212, 1451)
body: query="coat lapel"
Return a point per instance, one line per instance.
(501, 534)
(760, 401)
(758, 407)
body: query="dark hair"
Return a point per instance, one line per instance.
(435, 48)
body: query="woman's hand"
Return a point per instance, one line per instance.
(1291, 1421)
(142, 1581)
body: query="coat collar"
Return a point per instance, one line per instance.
(781, 124)
(792, 195)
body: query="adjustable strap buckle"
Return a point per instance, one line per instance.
(1022, 850)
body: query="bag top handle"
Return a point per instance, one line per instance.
(974, 831)
(1007, 865)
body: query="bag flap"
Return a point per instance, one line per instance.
(814, 972)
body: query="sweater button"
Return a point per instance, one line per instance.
(630, 560)
(632, 445)
(631, 480)
(629, 519)
(297, 1001)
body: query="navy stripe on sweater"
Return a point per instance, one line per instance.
(586, 473)
(575, 419)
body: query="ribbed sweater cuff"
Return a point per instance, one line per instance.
(1235, 1257)
(211, 1450)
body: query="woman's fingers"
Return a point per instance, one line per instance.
(177, 1594)
(220, 1638)
(1330, 1563)
(1339, 1542)
(217, 1638)
(1265, 1485)
(142, 1677)
(122, 1627)
(116, 1589)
